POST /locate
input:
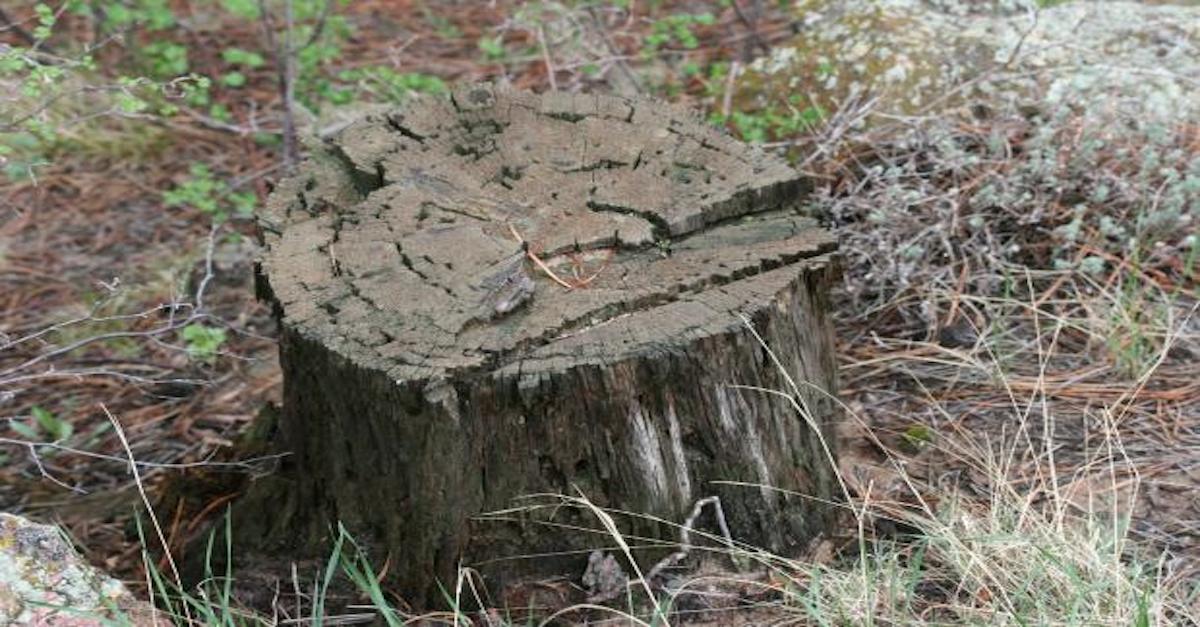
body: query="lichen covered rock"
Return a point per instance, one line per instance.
(908, 57)
(44, 582)
(852, 52)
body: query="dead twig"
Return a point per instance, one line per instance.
(614, 51)
(537, 260)
(550, 71)
(285, 65)
(685, 534)
(137, 478)
(752, 26)
(684, 550)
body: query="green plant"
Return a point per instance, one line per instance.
(204, 192)
(383, 84)
(239, 60)
(165, 59)
(113, 16)
(45, 22)
(45, 423)
(203, 342)
(213, 600)
(358, 569)
(916, 436)
(245, 58)
(313, 40)
(678, 29)
(442, 26)
(492, 48)
(315, 33)
(46, 113)
(773, 122)
(1132, 324)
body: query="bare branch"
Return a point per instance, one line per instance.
(550, 71)
(318, 28)
(614, 51)
(284, 62)
(289, 86)
(751, 25)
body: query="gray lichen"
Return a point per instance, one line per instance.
(41, 573)
(908, 55)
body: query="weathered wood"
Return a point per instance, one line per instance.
(434, 371)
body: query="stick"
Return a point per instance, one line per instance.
(546, 59)
(752, 25)
(537, 261)
(137, 478)
(612, 49)
(289, 87)
(284, 61)
(727, 99)
(685, 535)
(685, 546)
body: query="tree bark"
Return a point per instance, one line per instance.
(499, 294)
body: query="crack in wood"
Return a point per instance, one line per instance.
(492, 157)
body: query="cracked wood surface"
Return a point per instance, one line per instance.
(387, 258)
(436, 371)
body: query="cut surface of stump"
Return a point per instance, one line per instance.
(499, 294)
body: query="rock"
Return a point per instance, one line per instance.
(604, 577)
(911, 55)
(43, 581)
(845, 52)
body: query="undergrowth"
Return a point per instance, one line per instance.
(1016, 545)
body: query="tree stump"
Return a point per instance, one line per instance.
(500, 294)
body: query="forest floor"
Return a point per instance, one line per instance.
(1022, 398)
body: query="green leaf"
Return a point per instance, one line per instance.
(492, 47)
(24, 430)
(167, 59)
(233, 79)
(918, 434)
(245, 9)
(57, 429)
(119, 15)
(270, 140)
(45, 14)
(129, 104)
(384, 83)
(195, 90)
(46, 21)
(203, 342)
(243, 203)
(218, 111)
(237, 56)
(201, 191)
